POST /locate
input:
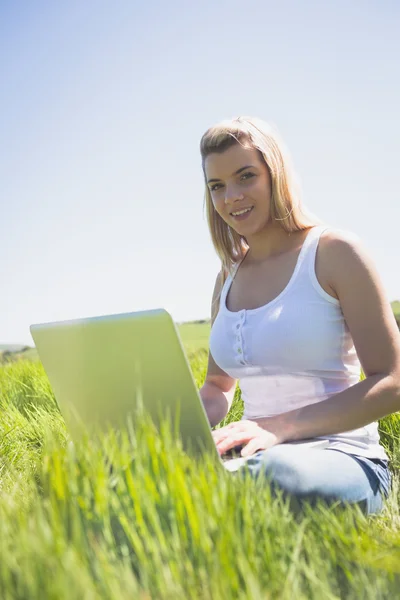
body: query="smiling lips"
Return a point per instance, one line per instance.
(243, 211)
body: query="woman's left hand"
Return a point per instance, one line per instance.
(244, 432)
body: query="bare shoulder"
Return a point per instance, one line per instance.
(334, 247)
(366, 308)
(339, 239)
(341, 252)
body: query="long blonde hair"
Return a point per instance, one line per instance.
(286, 205)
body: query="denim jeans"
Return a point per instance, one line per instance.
(323, 473)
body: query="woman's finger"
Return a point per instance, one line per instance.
(231, 441)
(223, 432)
(235, 426)
(252, 447)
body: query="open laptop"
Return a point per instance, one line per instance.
(99, 368)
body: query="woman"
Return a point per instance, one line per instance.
(297, 309)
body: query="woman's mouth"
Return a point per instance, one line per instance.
(241, 215)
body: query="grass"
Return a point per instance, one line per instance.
(130, 515)
(194, 337)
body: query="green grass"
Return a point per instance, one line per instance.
(396, 308)
(194, 336)
(130, 515)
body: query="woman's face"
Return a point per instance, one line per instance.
(233, 191)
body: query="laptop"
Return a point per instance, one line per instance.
(100, 368)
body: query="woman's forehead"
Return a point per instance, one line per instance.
(231, 158)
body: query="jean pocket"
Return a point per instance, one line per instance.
(382, 473)
(385, 478)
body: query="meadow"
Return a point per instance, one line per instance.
(130, 515)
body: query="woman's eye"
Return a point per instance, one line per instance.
(248, 173)
(214, 187)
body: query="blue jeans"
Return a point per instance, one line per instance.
(323, 473)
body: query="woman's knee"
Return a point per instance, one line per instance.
(283, 467)
(312, 475)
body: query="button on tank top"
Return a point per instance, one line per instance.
(293, 351)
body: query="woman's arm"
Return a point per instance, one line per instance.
(369, 317)
(218, 390)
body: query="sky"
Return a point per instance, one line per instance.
(102, 108)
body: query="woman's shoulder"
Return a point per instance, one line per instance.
(336, 236)
(339, 248)
(336, 244)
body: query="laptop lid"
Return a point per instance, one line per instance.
(100, 368)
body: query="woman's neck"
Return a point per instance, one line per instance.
(271, 243)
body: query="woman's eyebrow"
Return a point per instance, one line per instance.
(235, 173)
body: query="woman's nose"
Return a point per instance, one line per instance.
(232, 194)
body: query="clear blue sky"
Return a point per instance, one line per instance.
(102, 108)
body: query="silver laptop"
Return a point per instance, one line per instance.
(101, 368)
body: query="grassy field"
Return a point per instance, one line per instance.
(194, 337)
(130, 515)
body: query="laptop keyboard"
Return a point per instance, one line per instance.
(232, 453)
(233, 464)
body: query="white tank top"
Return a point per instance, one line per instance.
(294, 351)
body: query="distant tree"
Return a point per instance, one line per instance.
(7, 357)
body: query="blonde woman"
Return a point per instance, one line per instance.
(298, 308)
